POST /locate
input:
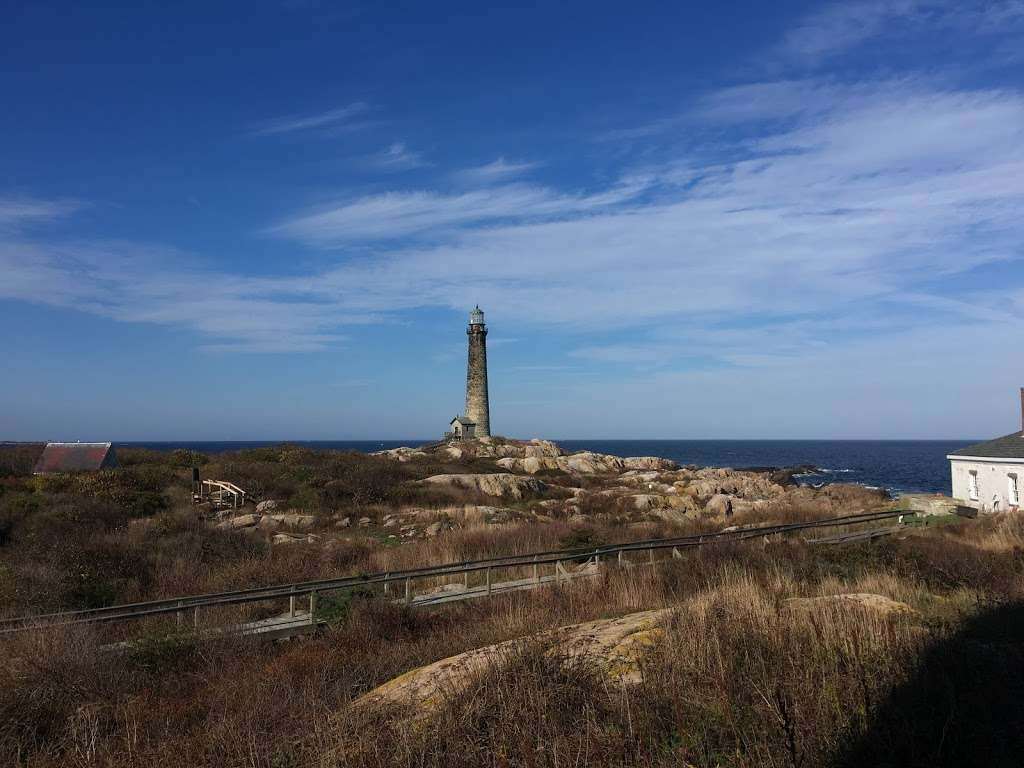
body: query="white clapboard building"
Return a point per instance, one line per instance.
(988, 476)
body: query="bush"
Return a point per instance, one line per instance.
(736, 680)
(580, 538)
(141, 503)
(360, 480)
(18, 459)
(182, 457)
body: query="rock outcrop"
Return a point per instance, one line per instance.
(501, 485)
(239, 521)
(290, 519)
(630, 489)
(584, 463)
(719, 504)
(616, 646)
(295, 538)
(403, 454)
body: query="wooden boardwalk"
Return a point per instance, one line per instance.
(546, 568)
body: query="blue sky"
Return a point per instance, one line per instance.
(269, 220)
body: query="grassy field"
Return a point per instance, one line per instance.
(738, 680)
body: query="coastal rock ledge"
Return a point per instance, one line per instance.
(549, 483)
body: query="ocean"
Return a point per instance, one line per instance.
(899, 466)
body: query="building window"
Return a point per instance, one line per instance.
(1012, 492)
(972, 485)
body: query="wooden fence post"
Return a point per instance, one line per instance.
(312, 607)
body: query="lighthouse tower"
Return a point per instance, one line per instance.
(477, 408)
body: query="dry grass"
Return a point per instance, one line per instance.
(738, 680)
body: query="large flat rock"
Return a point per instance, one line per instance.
(616, 645)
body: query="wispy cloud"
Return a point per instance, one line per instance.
(21, 211)
(396, 157)
(637, 132)
(333, 119)
(402, 214)
(865, 207)
(879, 377)
(849, 206)
(138, 283)
(774, 100)
(817, 211)
(836, 28)
(500, 170)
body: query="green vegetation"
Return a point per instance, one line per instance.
(90, 539)
(738, 679)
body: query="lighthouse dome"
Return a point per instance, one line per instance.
(476, 317)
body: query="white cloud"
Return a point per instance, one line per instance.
(397, 157)
(16, 212)
(875, 199)
(401, 214)
(860, 202)
(333, 119)
(775, 100)
(638, 132)
(498, 171)
(838, 27)
(135, 283)
(904, 383)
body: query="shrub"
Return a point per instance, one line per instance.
(18, 459)
(362, 480)
(736, 681)
(580, 538)
(183, 457)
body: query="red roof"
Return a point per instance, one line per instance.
(75, 457)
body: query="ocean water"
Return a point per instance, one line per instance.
(899, 466)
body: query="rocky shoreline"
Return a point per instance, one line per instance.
(631, 489)
(496, 481)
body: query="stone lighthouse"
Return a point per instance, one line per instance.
(477, 409)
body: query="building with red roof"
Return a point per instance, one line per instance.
(76, 457)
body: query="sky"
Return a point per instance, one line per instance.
(269, 220)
